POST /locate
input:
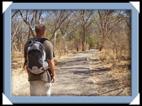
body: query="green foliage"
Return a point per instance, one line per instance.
(91, 40)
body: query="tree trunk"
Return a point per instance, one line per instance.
(54, 39)
(84, 39)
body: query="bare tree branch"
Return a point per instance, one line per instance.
(26, 22)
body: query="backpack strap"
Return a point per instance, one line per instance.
(42, 41)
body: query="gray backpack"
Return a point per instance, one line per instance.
(36, 56)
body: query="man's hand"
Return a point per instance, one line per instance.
(52, 70)
(53, 79)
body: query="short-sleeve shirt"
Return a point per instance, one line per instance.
(49, 50)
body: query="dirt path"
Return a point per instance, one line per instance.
(81, 74)
(84, 74)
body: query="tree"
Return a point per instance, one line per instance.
(58, 18)
(85, 18)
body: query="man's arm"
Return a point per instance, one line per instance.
(50, 57)
(52, 67)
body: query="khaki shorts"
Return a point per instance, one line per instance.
(40, 88)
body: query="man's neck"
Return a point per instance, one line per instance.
(41, 36)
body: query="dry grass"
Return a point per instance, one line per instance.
(108, 55)
(123, 75)
(20, 85)
(120, 69)
(122, 72)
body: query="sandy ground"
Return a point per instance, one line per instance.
(80, 74)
